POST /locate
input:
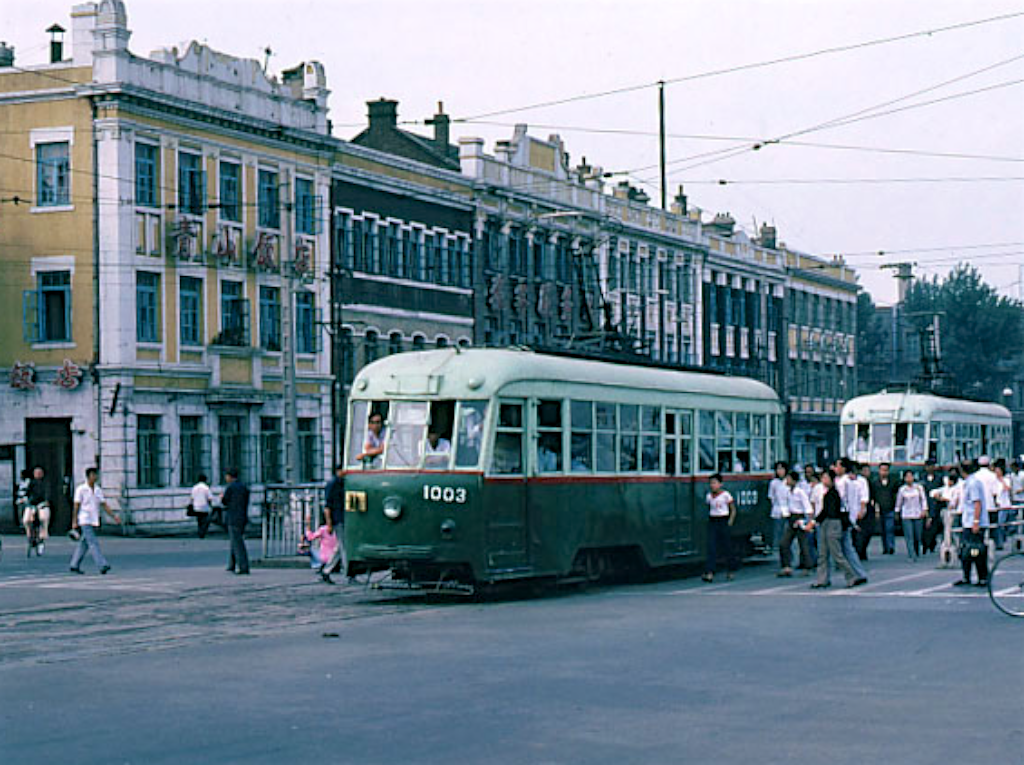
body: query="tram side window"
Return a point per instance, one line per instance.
(628, 427)
(677, 443)
(724, 431)
(437, 448)
(900, 442)
(741, 462)
(470, 433)
(915, 448)
(650, 439)
(706, 443)
(508, 440)
(581, 417)
(606, 423)
(933, 441)
(549, 436)
(758, 452)
(407, 428)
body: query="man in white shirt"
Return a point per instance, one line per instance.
(202, 504)
(988, 478)
(854, 501)
(975, 504)
(436, 451)
(86, 516)
(798, 514)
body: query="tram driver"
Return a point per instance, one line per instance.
(436, 450)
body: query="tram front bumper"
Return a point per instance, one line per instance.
(396, 552)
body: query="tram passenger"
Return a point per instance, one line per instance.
(373, 446)
(721, 516)
(436, 451)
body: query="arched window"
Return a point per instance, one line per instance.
(441, 341)
(371, 347)
(419, 342)
(395, 342)
(464, 342)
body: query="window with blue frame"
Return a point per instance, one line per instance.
(53, 174)
(268, 201)
(230, 192)
(305, 207)
(191, 184)
(147, 302)
(234, 315)
(46, 310)
(305, 323)
(270, 318)
(146, 175)
(191, 310)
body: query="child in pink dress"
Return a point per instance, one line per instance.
(328, 547)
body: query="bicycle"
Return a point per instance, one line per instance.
(1006, 584)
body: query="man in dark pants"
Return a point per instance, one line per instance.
(236, 515)
(930, 481)
(883, 494)
(866, 526)
(334, 499)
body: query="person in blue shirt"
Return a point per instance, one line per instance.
(975, 505)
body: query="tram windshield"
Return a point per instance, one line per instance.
(434, 435)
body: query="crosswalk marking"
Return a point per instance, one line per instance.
(61, 581)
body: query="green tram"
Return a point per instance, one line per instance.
(500, 465)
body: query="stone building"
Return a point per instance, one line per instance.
(168, 202)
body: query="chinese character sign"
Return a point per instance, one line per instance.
(23, 375)
(69, 376)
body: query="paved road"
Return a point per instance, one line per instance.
(169, 659)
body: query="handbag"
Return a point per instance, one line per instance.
(971, 548)
(190, 511)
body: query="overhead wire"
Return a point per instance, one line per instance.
(745, 67)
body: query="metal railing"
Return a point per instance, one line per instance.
(288, 512)
(952, 530)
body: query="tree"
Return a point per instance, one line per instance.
(981, 332)
(871, 343)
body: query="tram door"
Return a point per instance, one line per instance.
(678, 519)
(506, 524)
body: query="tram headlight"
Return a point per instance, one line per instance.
(392, 508)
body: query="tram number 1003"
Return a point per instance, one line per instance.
(746, 498)
(449, 494)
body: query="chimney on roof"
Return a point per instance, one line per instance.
(723, 224)
(768, 236)
(56, 32)
(679, 203)
(442, 129)
(6, 54)
(383, 114)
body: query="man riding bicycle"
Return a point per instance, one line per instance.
(36, 516)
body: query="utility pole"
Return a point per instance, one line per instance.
(661, 143)
(291, 419)
(904, 276)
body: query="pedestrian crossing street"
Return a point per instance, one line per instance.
(893, 582)
(108, 583)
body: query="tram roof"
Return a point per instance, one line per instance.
(914, 407)
(473, 372)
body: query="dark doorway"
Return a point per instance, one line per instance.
(48, 445)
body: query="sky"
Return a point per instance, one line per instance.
(877, 186)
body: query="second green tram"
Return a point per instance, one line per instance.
(509, 464)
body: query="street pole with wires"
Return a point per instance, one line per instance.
(291, 420)
(661, 144)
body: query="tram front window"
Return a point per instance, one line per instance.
(407, 425)
(881, 443)
(366, 442)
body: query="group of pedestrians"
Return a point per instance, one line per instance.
(833, 514)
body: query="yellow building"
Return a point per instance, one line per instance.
(155, 212)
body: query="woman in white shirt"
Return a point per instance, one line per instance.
(721, 516)
(912, 505)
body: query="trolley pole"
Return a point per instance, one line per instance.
(291, 420)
